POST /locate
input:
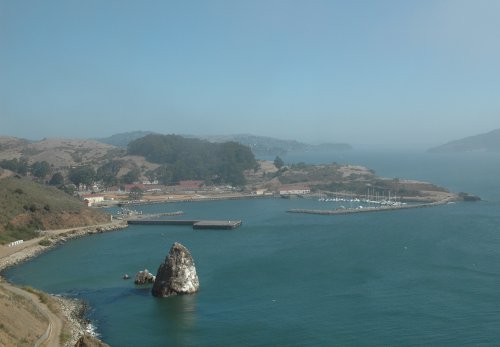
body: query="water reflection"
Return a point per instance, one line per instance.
(180, 313)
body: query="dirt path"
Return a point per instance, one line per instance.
(51, 337)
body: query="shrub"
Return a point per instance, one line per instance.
(45, 242)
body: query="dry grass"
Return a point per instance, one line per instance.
(20, 322)
(26, 206)
(55, 307)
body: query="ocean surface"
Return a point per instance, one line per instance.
(399, 278)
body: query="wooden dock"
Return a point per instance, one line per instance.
(196, 224)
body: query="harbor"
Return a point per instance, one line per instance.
(361, 209)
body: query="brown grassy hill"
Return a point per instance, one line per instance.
(63, 154)
(59, 153)
(26, 206)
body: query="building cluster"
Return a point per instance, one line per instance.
(183, 187)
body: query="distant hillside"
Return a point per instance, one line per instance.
(489, 142)
(26, 206)
(261, 145)
(190, 158)
(123, 139)
(63, 154)
(58, 152)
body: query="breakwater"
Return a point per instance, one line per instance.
(134, 215)
(368, 209)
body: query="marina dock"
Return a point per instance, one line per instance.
(196, 224)
(369, 209)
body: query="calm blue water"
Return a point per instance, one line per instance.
(405, 278)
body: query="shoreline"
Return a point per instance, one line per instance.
(31, 248)
(72, 310)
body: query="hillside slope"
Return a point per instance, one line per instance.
(26, 206)
(59, 153)
(488, 142)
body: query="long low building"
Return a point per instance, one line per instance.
(294, 189)
(91, 199)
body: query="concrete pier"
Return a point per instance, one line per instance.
(196, 224)
(369, 209)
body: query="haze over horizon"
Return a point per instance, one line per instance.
(384, 72)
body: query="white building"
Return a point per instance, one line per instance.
(294, 189)
(92, 199)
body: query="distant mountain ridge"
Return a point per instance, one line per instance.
(123, 139)
(260, 145)
(487, 142)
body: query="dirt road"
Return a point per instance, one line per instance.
(51, 337)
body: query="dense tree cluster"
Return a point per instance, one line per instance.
(57, 179)
(82, 174)
(40, 169)
(108, 172)
(18, 166)
(183, 158)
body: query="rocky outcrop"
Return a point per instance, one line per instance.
(143, 277)
(177, 274)
(90, 341)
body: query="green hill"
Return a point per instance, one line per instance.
(186, 158)
(26, 206)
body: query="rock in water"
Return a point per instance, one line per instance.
(143, 277)
(89, 341)
(177, 274)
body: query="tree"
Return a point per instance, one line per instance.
(107, 173)
(278, 162)
(57, 179)
(135, 193)
(184, 158)
(40, 169)
(131, 176)
(18, 166)
(82, 174)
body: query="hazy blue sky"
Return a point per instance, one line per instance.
(351, 71)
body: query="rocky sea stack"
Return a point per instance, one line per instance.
(177, 274)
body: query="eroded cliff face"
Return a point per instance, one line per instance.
(177, 274)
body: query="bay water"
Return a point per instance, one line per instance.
(396, 278)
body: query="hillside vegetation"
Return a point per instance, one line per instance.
(26, 207)
(260, 145)
(184, 158)
(166, 158)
